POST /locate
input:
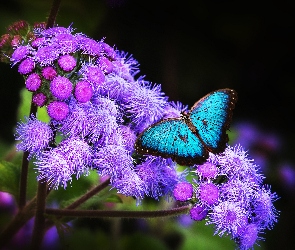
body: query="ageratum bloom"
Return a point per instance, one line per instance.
(34, 136)
(231, 196)
(57, 166)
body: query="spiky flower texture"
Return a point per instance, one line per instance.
(98, 106)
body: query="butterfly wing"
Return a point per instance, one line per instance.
(172, 138)
(211, 116)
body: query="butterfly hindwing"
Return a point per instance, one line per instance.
(211, 116)
(172, 138)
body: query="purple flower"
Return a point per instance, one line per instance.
(287, 175)
(174, 110)
(208, 193)
(105, 65)
(227, 217)
(128, 137)
(208, 170)
(93, 74)
(38, 42)
(58, 110)
(34, 136)
(183, 191)
(33, 82)
(49, 73)
(88, 45)
(20, 53)
(54, 31)
(108, 50)
(130, 184)
(65, 43)
(159, 175)
(67, 62)
(249, 237)
(83, 91)
(6, 201)
(46, 55)
(198, 212)
(125, 66)
(116, 87)
(238, 191)
(26, 66)
(146, 104)
(70, 157)
(39, 99)
(234, 162)
(265, 214)
(114, 161)
(61, 87)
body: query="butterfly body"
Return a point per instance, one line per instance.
(189, 139)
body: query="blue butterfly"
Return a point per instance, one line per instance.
(188, 139)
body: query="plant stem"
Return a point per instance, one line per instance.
(24, 169)
(89, 194)
(82, 199)
(17, 222)
(53, 13)
(117, 214)
(39, 224)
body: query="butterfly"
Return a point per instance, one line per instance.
(188, 139)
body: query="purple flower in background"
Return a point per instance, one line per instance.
(287, 175)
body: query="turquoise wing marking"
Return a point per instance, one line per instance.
(211, 116)
(172, 138)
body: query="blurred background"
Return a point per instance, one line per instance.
(192, 48)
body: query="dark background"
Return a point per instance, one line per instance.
(191, 48)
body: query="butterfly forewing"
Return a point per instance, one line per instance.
(211, 116)
(172, 138)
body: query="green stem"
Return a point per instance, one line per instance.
(117, 214)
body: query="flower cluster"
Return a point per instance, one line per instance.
(97, 106)
(229, 192)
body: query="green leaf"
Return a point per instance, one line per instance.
(9, 178)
